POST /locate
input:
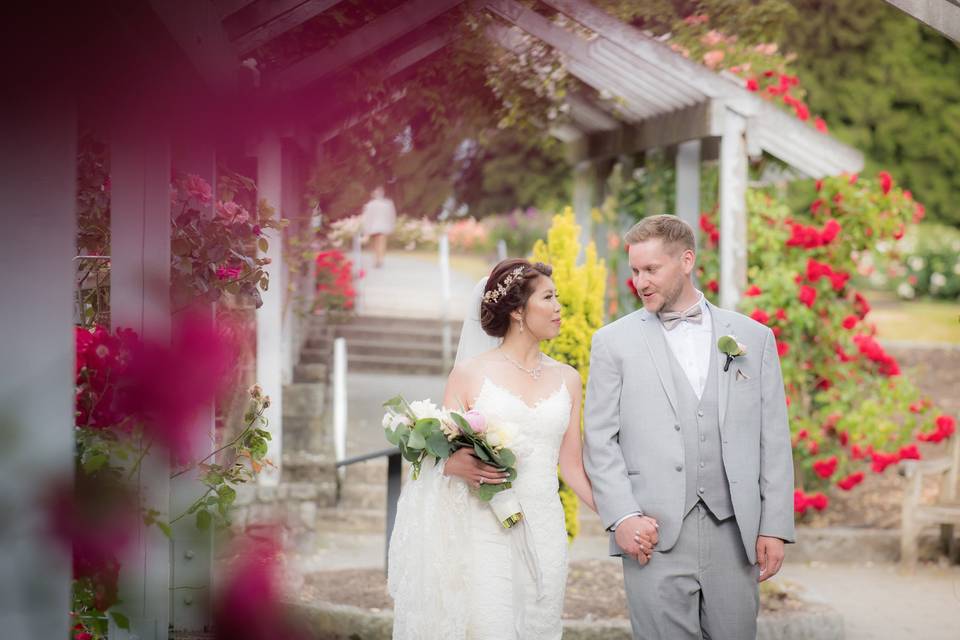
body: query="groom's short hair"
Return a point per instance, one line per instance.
(674, 232)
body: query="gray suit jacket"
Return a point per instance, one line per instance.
(631, 449)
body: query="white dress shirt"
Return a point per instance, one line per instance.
(690, 344)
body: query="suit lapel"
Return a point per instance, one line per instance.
(721, 327)
(653, 334)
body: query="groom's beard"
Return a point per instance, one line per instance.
(670, 298)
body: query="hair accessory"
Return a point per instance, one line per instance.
(503, 287)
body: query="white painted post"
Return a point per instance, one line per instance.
(270, 315)
(585, 195)
(688, 185)
(38, 165)
(733, 209)
(340, 401)
(140, 300)
(445, 295)
(191, 550)
(501, 250)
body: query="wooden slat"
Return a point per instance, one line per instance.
(264, 20)
(360, 43)
(229, 7)
(942, 15)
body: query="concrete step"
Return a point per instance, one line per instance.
(399, 334)
(339, 520)
(401, 324)
(316, 356)
(304, 399)
(305, 433)
(397, 364)
(387, 347)
(311, 372)
(356, 495)
(324, 342)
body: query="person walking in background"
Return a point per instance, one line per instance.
(378, 219)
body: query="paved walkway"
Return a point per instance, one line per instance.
(409, 286)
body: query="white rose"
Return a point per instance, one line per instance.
(916, 263)
(905, 291)
(393, 421)
(424, 409)
(938, 280)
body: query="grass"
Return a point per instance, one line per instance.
(914, 320)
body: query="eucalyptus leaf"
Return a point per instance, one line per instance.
(203, 520)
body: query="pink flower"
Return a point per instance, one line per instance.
(713, 58)
(752, 290)
(198, 188)
(752, 84)
(825, 467)
(476, 420)
(850, 322)
(232, 212)
(820, 124)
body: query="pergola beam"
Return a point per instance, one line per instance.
(258, 23)
(196, 28)
(360, 43)
(942, 15)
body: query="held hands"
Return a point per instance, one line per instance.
(769, 556)
(637, 536)
(465, 464)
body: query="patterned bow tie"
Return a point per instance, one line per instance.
(671, 319)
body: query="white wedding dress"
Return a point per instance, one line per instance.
(454, 572)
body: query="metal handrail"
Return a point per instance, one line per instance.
(394, 480)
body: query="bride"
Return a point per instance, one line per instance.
(454, 572)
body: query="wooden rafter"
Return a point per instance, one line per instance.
(258, 23)
(357, 45)
(197, 29)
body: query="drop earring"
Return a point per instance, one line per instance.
(521, 325)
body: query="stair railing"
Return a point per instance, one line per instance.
(340, 401)
(394, 473)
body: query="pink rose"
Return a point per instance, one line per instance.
(198, 188)
(476, 420)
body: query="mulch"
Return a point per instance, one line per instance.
(594, 591)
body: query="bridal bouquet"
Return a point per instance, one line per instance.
(420, 429)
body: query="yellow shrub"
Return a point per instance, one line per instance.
(581, 292)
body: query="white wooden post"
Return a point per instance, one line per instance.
(733, 209)
(688, 185)
(270, 315)
(38, 181)
(501, 250)
(340, 401)
(445, 295)
(191, 550)
(585, 195)
(140, 300)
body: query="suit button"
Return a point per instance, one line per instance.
(676, 427)
(679, 467)
(701, 490)
(703, 464)
(700, 413)
(703, 438)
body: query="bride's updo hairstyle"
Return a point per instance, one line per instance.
(510, 285)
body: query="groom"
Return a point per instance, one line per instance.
(687, 455)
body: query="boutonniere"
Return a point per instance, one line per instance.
(733, 349)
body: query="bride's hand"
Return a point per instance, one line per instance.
(466, 465)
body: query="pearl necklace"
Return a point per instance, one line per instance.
(534, 373)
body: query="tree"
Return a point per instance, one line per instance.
(580, 290)
(888, 85)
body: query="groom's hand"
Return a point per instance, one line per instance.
(637, 536)
(770, 555)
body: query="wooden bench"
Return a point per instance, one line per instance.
(944, 512)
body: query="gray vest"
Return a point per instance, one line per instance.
(699, 422)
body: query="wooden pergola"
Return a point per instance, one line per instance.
(172, 83)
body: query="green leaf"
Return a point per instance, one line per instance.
(165, 528)
(481, 452)
(393, 437)
(203, 520)
(263, 245)
(438, 445)
(95, 461)
(121, 620)
(728, 345)
(180, 247)
(462, 423)
(507, 458)
(416, 440)
(227, 495)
